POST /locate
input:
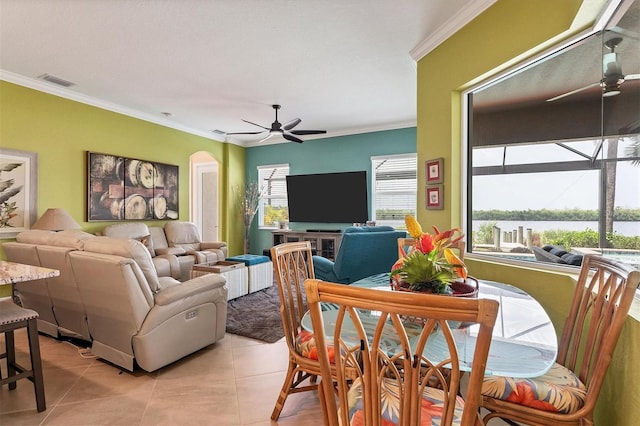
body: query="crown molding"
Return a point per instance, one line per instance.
(450, 27)
(51, 89)
(62, 92)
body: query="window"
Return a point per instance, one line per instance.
(395, 188)
(273, 204)
(558, 166)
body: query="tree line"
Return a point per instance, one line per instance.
(566, 215)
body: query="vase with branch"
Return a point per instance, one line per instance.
(248, 202)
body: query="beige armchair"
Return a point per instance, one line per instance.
(166, 264)
(185, 235)
(161, 247)
(134, 315)
(56, 299)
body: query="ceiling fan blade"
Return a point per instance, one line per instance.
(632, 77)
(245, 133)
(291, 138)
(246, 121)
(264, 139)
(291, 124)
(573, 92)
(309, 132)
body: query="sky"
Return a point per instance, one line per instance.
(553, 191)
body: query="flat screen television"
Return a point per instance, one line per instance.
(328, 197)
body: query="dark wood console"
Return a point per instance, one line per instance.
(323, 244)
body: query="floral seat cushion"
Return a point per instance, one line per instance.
(431, 405)
(306, 346)
(559, 390)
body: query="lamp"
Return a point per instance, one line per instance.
(55, 220)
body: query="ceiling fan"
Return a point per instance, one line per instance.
(612, 78)
(281, 129)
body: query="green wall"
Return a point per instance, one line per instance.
(509, 29)
(327, 155)
(61, 131)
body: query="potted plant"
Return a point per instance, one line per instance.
(431, 266)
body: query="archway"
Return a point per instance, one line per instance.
(205, 194)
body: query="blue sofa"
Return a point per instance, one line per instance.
(364, 251)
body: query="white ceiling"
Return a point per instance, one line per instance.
(342, 66)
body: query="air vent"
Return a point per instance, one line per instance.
(56, 80)
(219, 132)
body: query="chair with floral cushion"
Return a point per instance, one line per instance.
(292, 265)
(567, 394)
(383, 373)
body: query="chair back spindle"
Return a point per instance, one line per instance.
(603, 297)
(381, 368)
(568, 393)
(292, 265)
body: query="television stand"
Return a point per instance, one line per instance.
(324, 243)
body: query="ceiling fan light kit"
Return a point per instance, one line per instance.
(612, 76)
(277, 129)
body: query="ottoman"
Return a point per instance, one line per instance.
(234, 272)
(260, 270)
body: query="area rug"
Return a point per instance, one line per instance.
(256, 315)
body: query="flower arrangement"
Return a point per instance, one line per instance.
(431, 265)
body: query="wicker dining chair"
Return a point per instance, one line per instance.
(292, 265)
(383, 376)
(405, 245)
(567, 394)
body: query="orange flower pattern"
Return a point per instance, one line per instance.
(306, 346)
(559, 390)
(431, 405)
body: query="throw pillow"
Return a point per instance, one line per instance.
(558, 252)
(148, 243)
(572, 259)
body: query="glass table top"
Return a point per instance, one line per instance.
(524, 342)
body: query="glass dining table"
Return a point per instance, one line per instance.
(524, 342)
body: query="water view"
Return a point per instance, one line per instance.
(629, 229)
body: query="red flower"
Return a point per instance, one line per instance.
(524, 395)
(428, 410)
(425, 243)
(358, 420)
(313, 354)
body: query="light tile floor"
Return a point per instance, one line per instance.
(233, 382)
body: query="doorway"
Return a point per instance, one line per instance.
(205, 195)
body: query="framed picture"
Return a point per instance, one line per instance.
(122, 188)
(434, 170)
(18, 191)
(434, 197)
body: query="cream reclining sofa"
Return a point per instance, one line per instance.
(56, 299)
(130, 314)
(174, 248)
(186, 236)
(168, 262)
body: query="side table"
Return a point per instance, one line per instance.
(234, 272)
(260, 270)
